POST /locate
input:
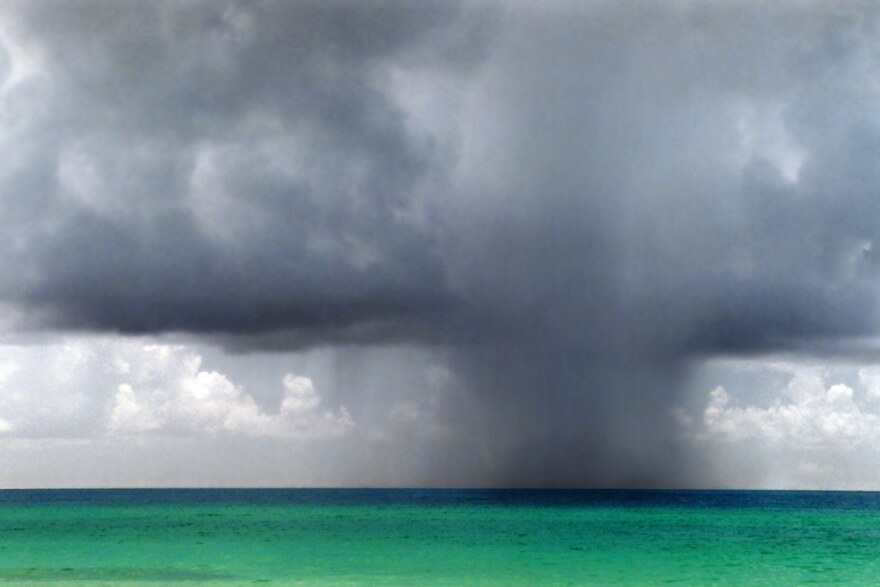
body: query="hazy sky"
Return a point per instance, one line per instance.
(591, 243)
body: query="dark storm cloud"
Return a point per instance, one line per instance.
(580, 199)
(217, 167)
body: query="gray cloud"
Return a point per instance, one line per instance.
(216, 167)
(578, 202)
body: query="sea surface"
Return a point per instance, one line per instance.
(437, 537)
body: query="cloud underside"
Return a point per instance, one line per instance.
(315, 169)
(578, 202)
(208, 168)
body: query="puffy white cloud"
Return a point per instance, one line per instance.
(839, 394)
(154, 413)
(869, 377)
(137, 388)
(129, 414)
(8, 369)
(788, 423)
(812, 415)
(183, 398)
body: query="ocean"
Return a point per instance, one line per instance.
(437, 537)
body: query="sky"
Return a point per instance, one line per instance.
(476, 243)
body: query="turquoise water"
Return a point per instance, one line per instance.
(437, 537)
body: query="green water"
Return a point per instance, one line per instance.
(438, 538)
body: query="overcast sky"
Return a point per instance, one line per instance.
(438, 243)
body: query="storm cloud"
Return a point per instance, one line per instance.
(214, 168)
(572, 205)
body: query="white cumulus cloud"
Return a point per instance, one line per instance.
(789, 424)
(136, 387)
(183, 398)
(812, 414)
